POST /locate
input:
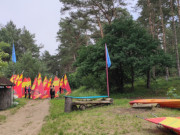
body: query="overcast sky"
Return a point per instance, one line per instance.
(40, 17)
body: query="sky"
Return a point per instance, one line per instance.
(40, 17)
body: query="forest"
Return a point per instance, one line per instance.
(146, 48)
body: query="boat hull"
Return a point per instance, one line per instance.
(169, 103)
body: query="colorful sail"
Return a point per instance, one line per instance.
(13, 78)
(45, 87)
(17, 78)
(35, 92)
(66, 85)
(19, 86)
(56, 85)
(26, 82)
(172, 123)
(49, 87)
(62, 85)
(40, 85)
(45, 82)
(34, 84)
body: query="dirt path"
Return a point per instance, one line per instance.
(27, 120)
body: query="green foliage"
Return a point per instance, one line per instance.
(3, 56)
(133, 53)
(23, 40)
(27, 63)
(172, 93)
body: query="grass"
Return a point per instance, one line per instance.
(2, 118)
(14, 108)
(115, 119)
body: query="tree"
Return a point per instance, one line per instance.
(175, 37)
(52, 63)
(27, 43)
(23, 40)
(27, 63)
(72, 35)
(164, 34)
(132, 50)
(3, 56)
(101, 11)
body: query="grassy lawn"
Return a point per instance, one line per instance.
(115, 119)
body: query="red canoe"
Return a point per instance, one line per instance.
(170, 103)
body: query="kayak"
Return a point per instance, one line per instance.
(169, 103)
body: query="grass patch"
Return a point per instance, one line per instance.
(14, 108)
(2, 118)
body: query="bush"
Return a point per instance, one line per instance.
(172, 93)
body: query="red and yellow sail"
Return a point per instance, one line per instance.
(19, 86)
(46, 86)
(40, 85)
(62, 85)
(45, 82)
(172, 123)
(13, 78)
(35, 92)
(66, 85)
(26, 82)
(56, 85)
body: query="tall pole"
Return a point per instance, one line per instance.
(107, 73)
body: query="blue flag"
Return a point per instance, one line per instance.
(13, 54)
(108, 58)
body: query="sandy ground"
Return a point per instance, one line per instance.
(28, 120)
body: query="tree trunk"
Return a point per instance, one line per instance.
(178, 11)
(164, 36)
(175, 38)
(100, 26)
(148, 79)
(150, 18)
(151, 27)
(68, 104)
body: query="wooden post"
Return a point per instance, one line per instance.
(68, 104)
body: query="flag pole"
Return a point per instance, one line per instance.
(13, 74)
(107, 73)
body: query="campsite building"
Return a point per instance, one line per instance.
(6, 93)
